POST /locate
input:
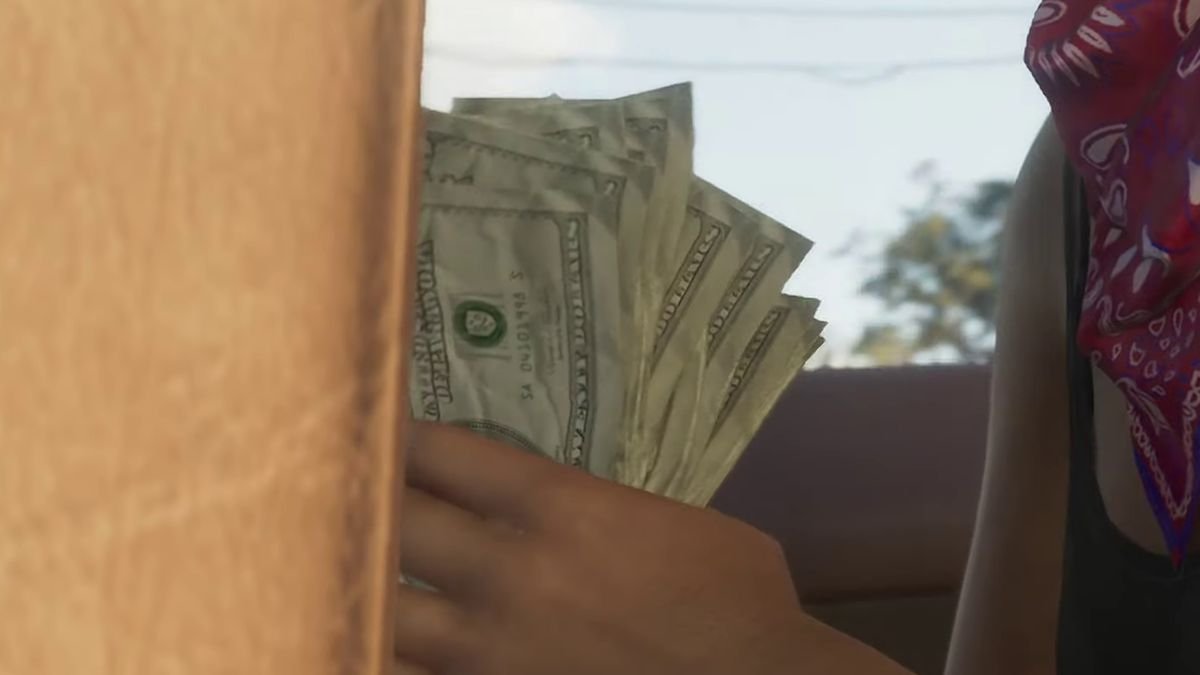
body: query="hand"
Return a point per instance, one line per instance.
(545, 570)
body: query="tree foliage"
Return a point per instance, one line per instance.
(937, 278)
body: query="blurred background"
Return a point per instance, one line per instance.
(887, 131)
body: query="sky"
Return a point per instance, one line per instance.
(833, 161)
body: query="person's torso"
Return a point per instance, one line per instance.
(1124, 609)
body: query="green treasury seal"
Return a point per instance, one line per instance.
(479, 323)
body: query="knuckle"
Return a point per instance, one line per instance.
(772, 555)
(550, 493)
(510, 574)
(557, 487)
(756, 540)
(583, 521)
(769, 543)
(544, 576)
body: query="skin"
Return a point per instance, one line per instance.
(546, 570)
(1007, 614)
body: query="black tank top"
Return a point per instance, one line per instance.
(1123, 610)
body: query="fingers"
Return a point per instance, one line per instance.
(431, 632)
(483, 476)
(446, 546)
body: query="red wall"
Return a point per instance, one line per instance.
(869, 478)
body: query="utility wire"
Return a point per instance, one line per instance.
(840, 73)
(784, 11)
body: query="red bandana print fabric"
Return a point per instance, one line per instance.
(1123, 81)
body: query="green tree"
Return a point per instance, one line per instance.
(937, 278)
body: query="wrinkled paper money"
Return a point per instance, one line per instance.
(583, 295)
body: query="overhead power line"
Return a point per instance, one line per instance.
(841, 73)
(807, 12)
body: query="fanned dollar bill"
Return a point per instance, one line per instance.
(781, 343)
(583, 295)
(661, 123)
(730, 320)
(463, 150)
(658, 131)
(599, 125)
(722, 237)
(516, 332)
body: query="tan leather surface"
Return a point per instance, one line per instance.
(203, 227)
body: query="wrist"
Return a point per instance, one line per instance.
(813, 648)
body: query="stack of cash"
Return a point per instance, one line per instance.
(583, 295)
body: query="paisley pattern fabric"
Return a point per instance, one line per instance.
(1123, 81)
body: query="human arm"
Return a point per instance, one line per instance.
(1008, 611)
(545, 570)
